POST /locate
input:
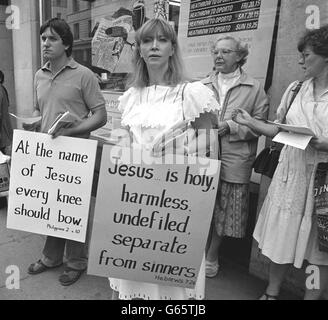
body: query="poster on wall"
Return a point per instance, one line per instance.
(50, 184)
(107, 132)
(202, 22)
(113, 40)
(152, 219)
(111, 46)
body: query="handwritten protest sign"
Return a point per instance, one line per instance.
(50, 184)
(152, 219)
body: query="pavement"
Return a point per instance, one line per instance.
(21, 249)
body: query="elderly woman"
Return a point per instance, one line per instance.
(286, 229)
(233, 88)
(159, 98)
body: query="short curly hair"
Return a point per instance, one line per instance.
(317, 40)
(242, 49)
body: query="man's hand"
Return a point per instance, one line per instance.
(63, 131)
(35, 126)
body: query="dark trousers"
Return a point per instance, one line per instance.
(76, 252)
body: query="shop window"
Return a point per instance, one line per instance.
(174, 13)
(76, 31)
(60, 3)
(111, 52)
(78, 56)
(76, 6)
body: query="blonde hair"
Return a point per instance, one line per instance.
(175, 73)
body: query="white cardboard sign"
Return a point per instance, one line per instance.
(50, 184)
(152, 218)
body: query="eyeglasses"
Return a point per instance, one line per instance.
(304, 54)
(224, 52)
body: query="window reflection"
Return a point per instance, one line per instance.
(104, 32)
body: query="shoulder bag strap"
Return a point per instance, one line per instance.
(225, 104)
(222, 114)
(182, 101)
(182, 107)
(295, 92)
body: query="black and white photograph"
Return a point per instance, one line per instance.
(161, 155)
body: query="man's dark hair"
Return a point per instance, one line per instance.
(62, 28)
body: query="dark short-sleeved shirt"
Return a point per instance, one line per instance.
(6, 131)
(74, 88)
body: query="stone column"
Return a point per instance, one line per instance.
(26, 54)
(6, 55)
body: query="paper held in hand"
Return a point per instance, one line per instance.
(27, 120)
(63, 120)
(295, 136)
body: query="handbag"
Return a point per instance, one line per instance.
(267, 160)
(321, 204)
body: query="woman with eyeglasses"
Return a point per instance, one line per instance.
(286, 229)
(233, 89)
